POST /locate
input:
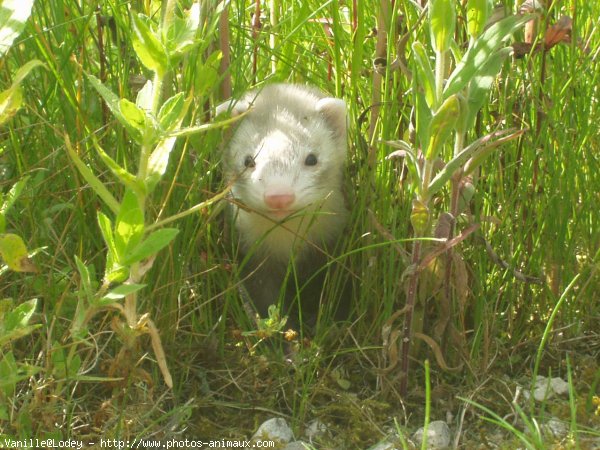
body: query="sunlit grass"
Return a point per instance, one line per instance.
(536, 200)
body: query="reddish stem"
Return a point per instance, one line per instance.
(410, 306)
(255, 32)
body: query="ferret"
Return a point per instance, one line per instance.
(285, 163)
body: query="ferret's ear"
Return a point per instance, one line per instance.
(234, 107)
(334, 111)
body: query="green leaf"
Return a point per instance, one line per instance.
(422, 119)
(114, 272)
(92, 180)
(128, 179)
(25, 69)
(158, 162)
(10, 102)
(13, 16)
(17, 333)
(129, 225)
(490, 142)
(151, 245)
(147, 46)
(114, 104)
(105, 225)
(15, 323)
(11, 197)
(144, 97)
(74, 366)
(442, 124)
(442, 20)
(482, 146)
(425, 75)
(20, 316)
(86, 280)
(170, 114)
(78, 329)
(444, 175)
(480, 51)
(120, 292)
(208, 73)
(482, 82)
(14, 252)
(8, 374)
(63, 367)
(135, 116)
(477, 15)
(12, 98)
(139, 120)
(181, 35)
(124, 290)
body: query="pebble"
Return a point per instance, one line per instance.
(275, 429)
(438, 435)
(546, 388)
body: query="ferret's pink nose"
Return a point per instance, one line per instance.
(279, 201)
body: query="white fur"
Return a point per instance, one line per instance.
(285, 125)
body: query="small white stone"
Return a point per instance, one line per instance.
(557, 428)
(275, 429)
(438, 435)
(545, 388)
(542, 390)
(559, 386)
(384, 445)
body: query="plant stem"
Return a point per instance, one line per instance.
(376, 93)
(224, 66)
(274, 9)
(427, 404)
(256, 26)
(440, 69)
(427, 174)
(157, 84)
(410, 306)
(189, 211)
(135, 275)
(546, 336)
(459, 144)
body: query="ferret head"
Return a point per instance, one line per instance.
(288, 154)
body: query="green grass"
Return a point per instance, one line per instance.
(536, 199)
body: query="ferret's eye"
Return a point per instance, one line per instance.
(311, 160)
(249, 161)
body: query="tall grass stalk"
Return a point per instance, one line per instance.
(427, 405)
(546, 336)
(535, 202)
